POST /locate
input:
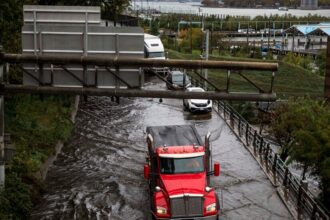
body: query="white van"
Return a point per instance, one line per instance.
(154, 49)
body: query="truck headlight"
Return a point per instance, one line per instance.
(211, 208)
(161, 210)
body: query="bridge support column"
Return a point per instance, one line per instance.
(327, 74)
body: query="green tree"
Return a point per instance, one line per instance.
(154, 29)
(15, 201)
(282, 127)
(210, 3)
(113, 8)
(192, 39)
(321, 62)
(11, 17)
(302, 128)
(312, 143)
(304, 62)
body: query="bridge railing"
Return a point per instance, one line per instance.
(293, 190)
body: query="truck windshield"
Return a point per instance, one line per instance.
(181, 165)
(156, 54)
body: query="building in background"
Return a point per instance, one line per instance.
(309, 4)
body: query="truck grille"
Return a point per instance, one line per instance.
(186, 206)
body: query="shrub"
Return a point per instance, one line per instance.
(304, 62)
(15, 200)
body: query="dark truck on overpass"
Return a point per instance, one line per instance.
(178, 170)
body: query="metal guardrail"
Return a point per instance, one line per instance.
(295, 191)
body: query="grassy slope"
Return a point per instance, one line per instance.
(289, 81)
(35, 125)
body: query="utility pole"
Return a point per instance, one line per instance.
(268, 43)
(190, 37)
(247, 37)
(2, 141)
(211, 38)
(177, 37)
(207, 35)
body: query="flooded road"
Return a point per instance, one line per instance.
(99, 173)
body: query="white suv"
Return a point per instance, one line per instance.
(197, 105)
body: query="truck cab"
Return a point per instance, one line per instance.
(178, 171)
(154, 49)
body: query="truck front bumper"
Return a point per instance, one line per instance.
(212, 217)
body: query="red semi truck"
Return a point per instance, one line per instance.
(178, 170)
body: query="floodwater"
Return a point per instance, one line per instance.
(194, 8)
(99, 173)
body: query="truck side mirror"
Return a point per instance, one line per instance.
(146, 171)
(216, 169)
